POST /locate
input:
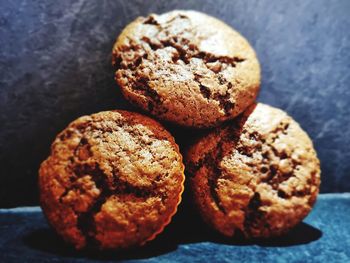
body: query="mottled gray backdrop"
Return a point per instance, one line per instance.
(55, 66)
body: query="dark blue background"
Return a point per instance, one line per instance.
(55, 65)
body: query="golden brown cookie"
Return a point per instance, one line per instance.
(258, 176)
(113, 180)
(186, 67)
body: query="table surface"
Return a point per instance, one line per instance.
(55, 65)
(324, 236)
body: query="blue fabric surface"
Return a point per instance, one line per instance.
(324, 236)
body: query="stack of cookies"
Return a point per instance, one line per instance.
(114, 179)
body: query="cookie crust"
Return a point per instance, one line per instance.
(113, 180)
(258, 176)
(186, 67)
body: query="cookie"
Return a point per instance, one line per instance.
(258, 176)
(186, 67)
(113, 180)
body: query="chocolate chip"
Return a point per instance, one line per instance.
(205, 91)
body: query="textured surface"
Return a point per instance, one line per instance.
(323, 237)
(257, 176)
(113, 180)
(187, 68)
(55, 66)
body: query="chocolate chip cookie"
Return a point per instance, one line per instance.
(186, 67)
(258, 176)
(113, 180)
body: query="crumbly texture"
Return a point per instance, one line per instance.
(258, 176)
(186, 67)
(113, 180)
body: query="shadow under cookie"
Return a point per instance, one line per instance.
(46, 240)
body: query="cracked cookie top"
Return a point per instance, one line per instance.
(258, 176)
(186, 67)
(113, 180)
